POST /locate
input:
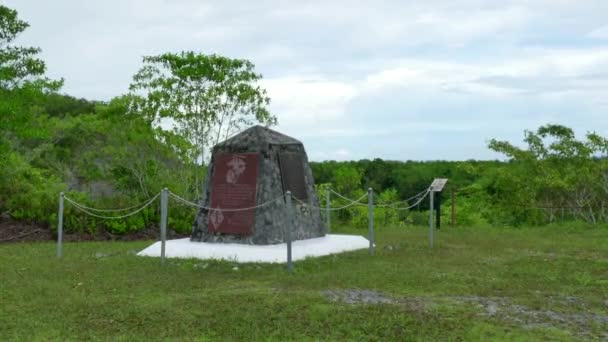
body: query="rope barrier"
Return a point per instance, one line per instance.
(331, 209)
(423, 192)
(185, 201)
(91, 211)
(351, 200)
(114, 210)
(391, 206)
(411, 206)
(86, 209)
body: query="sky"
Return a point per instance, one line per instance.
(399, 80)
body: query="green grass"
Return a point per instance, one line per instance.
(102, 291)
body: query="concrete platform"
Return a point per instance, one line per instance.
(330, 244)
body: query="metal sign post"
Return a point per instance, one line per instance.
(453, 207)
(163, 223)
(438, 210)
(327, 211)
(288, 230)
(370, 213)
(432, 200)
(436, 186)
(60, 226)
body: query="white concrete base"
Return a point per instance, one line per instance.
(330, 244)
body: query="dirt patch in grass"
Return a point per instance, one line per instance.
(579, 323)
(356, 296)
(16, 231)
(370, 297)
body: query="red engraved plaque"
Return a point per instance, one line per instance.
(233, 186)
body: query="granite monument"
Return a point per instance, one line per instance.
(243, 195)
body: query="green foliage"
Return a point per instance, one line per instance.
(557, 178)
(107, 159)
(181, 220)
(346, 180)
(114, 154)
(98, 153)
(209, 97)
(557, 173)
(19, 66)
(31, 193)
(130, 224)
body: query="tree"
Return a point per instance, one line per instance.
(19, 65)
(208, 97)
(22, 81)
(347, 180)
(556, 173)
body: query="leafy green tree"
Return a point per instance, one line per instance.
(556, 174)
(208, 97)
(377, 174)
(18, 65)
(22, 81)
(347, 180)
(100, 154)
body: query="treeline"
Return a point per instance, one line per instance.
(101, 154)
(406, 178)
(100, 157)
(115, 155)
(556, 177)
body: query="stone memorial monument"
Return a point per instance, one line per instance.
(247, 178)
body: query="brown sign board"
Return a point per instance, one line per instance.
(233, 186)
(438, 184)
(292, 175)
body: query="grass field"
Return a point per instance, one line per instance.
(476, 284)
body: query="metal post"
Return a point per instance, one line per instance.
(60, 226)
(370, 213)
(453, 207)
(288, 230)
(327, 211)
(163, 223)
(431, 218)
(438, 209)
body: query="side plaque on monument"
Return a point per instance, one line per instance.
(292, 175)
(233, 186)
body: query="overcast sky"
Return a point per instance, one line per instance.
(419, 80)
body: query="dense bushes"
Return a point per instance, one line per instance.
(557, 178)
(102, 159)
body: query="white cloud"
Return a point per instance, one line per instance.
(306, 101)
(392, 78)
(599, 33)
(588, 66)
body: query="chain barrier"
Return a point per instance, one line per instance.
(331, 209)
(192, 204)
(406, 201)
(409, 207)
(420, 197)
(355, 202)
(113, 210)
(88, 210)
(92, 211)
